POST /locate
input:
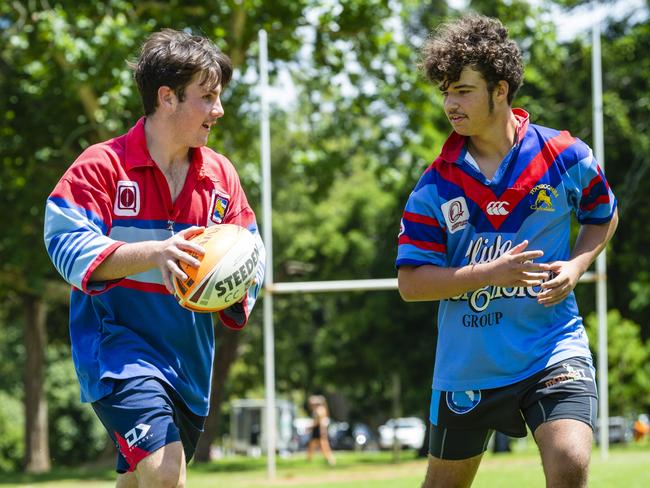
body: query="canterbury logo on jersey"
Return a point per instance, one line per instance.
(497, 208)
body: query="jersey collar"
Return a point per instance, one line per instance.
(137, 153)
(452, 150)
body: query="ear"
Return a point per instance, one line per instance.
(167, 99)
(501, 90)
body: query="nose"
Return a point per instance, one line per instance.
(217, 109)
(449, 103)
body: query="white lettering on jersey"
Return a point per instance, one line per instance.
(480, 251)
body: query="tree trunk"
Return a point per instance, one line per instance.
(37, 452)
(227, 350)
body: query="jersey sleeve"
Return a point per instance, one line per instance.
(77, 219)
(593, 200)
(236, 316)
(422, 238)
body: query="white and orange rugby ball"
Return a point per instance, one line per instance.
(226, 271)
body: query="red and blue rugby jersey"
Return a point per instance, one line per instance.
(113, 194)
(454, 217)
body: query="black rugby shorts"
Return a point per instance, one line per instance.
(462, 422)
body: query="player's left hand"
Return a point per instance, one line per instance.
(565, 278)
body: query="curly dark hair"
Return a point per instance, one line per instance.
(477, 41)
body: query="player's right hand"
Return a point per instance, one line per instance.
(517, 268)
(178, 248)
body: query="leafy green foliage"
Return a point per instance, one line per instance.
(76, 434)
(12, 425)
(628, 359)
(350, 138)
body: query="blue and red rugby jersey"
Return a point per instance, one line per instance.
(113, 194)
(454, 217)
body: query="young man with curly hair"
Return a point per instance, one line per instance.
(486, 232)
(117, 225)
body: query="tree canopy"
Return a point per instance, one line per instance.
(354, 124)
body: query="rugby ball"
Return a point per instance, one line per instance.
(226, 271)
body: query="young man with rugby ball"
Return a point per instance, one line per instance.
(116, 226)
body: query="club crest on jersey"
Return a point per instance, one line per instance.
(218, 207)
(127, 199)
(541, 198)
(461, 402)
(456, 214)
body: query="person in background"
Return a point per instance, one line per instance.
(117, 225)
(319, 439)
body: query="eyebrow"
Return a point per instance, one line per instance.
(212, 91)
(460, 87)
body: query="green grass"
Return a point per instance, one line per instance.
(627, 467)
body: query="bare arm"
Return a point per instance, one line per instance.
(514, 268)
(591, 240)
(137, 257)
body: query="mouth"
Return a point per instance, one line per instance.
(209, 124)
(455, 118)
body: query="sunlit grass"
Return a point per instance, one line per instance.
(627, 467)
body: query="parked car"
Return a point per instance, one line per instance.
(409, 432)
(302, 428)
(621, 430)
(342, 435)
(355, 436)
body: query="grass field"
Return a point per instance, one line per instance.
(627, 467)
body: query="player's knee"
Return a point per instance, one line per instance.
(169, 479)
(570, 467)
(167, 475)
(450, 474)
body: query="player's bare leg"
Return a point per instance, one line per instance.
(126, 480)
(327, 451)
(565, 447)
(444, 473)
(310, 448)
(164, 467)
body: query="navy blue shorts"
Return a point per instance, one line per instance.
(462, 422)
(144, 414)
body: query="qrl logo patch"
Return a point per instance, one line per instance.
(127, 199)
(461, 402)
(456, 214)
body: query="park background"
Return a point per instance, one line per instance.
(353, 125)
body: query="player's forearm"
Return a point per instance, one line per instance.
(427, 282)
(126, 260)
(591, 240)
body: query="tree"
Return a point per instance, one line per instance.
(628, 360)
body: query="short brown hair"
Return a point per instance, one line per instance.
(172, 58)
(476, 41)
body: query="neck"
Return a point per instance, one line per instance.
(162, 145)
(498, 138)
